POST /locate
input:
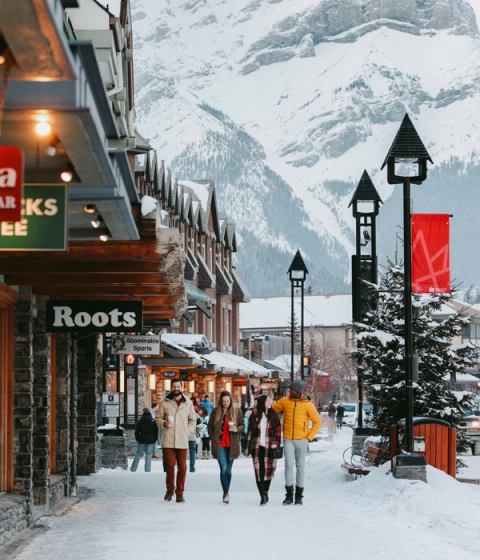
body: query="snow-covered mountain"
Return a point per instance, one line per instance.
(285, 102)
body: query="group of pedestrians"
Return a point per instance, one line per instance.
(223, 428)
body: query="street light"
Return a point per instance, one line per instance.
(297, 274)
(406, 163)
(366, 203)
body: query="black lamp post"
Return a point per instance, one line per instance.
(366, 202)
(406, 163)
(297, 274)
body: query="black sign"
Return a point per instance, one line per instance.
(94, 316)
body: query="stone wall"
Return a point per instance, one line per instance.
(23, 397)
(87, 366)
(63, 405)
(14, 513)
(41, 412)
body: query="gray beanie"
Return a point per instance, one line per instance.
(298, 385)
(146, 410)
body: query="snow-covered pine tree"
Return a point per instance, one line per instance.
(380, 355)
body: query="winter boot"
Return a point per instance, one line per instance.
(263, 499)
(288, 496)
(298, 496)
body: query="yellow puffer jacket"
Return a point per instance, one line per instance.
(297, 416)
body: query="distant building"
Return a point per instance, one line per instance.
(327, 319)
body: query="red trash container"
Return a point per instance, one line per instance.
(435, 439)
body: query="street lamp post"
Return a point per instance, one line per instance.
(297, 274)
(366, 202)
(406, 163)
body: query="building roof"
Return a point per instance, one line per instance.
(274, 312)
(186, 340)
(463, 378)
(282, 362)
(235, 364)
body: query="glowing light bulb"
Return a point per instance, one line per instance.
(66, 176)
(43, 128)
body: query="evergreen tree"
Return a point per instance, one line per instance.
(380, 355)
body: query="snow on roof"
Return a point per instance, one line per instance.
(188, 353)
(200, 190)
(463, 378)
(235, 364)
(282, 362)
(456, 305)
(185, 340)
(274, 312)
(461, 395)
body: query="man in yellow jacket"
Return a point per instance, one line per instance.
(301, 423)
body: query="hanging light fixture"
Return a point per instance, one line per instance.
(67, 174)
(3, 51)
(43, 127)
(89, 208)
(52, 147)
(96, 222)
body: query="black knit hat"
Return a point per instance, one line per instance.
(298, 385)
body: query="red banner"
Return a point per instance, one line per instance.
(431, 253)
(11, 183)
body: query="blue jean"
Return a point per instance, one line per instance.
(225, 467)
(142, 448)
(192, 453)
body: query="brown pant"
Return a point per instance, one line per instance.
(176, 457)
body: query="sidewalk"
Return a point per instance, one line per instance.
(127, 519)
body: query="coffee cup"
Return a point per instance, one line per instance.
(170, 421)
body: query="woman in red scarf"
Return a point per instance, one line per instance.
(224, 428)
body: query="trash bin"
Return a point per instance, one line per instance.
(435, 439)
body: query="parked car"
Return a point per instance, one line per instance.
(351, 413)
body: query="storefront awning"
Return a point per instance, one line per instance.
(230, 363)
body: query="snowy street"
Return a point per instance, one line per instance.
(377, 516)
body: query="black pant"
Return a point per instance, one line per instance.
(205, 444)
(262, 484)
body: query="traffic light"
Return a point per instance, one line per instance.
(307, 366)
(131, 365)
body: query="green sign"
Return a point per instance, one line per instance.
(44, 221)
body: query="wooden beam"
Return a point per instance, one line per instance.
(45, 266)
(105, 289)
(118, 278)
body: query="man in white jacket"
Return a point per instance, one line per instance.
(177, 416)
